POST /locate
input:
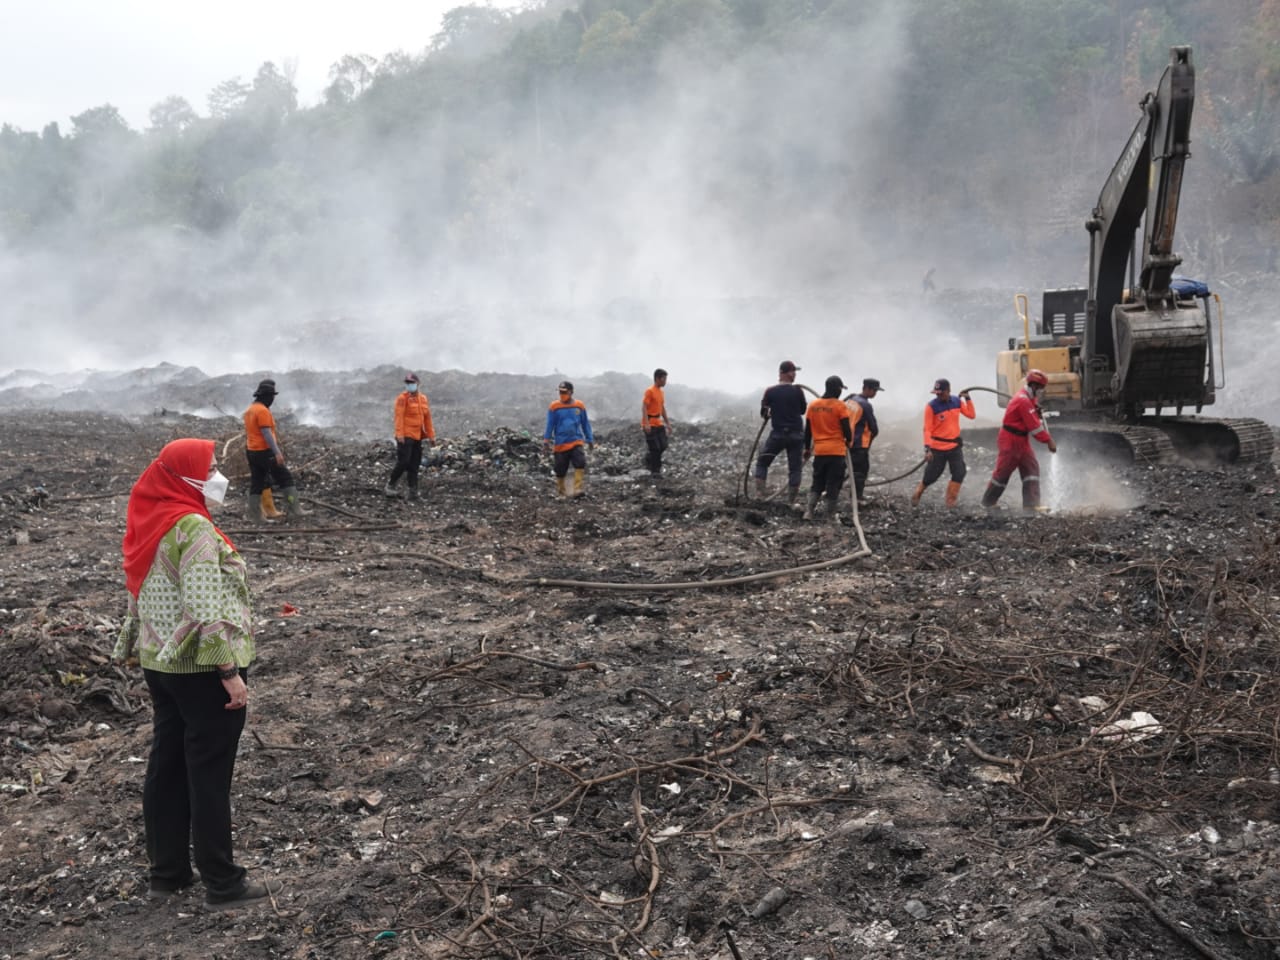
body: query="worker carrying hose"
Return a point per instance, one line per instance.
(567, 430)
(1023, 421)
(827, 436)
(783, 405)
(943, 447)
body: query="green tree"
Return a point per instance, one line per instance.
(349, 77)
(228, 98)
(172, 115)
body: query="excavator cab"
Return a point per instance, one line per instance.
(1053, 347)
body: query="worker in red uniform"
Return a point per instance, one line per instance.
(943, 447)
(827, 436)
(413, 428)
(1023, 421)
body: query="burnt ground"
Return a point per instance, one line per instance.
(909, 754)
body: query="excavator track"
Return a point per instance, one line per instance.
(1222, 440)
(1141, 444)
(1172, 439)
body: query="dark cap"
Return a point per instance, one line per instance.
(786, 366)
(871, 383)
(834, 383)
(942, 383)
(266, 388)
(565, 387)
(411, 377)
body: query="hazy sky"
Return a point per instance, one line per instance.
(61, 57)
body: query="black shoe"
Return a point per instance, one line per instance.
(156, 892)
(252, 893)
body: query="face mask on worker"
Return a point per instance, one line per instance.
(214, 488)
(411, 387)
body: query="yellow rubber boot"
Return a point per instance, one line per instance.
(268, 504)
(559, 486)
(953, 493)
(579, 481)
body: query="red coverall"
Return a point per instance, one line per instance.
(1021, 423)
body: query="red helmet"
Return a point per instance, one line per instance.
(1037, 378)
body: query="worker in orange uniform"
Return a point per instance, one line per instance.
(413, 428)
(1023, 422)
(862, 417)
(827, 435)
(655, 423)
(568, 430)
(943, 447)
(266, 459)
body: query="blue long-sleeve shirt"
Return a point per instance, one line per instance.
(567, 425)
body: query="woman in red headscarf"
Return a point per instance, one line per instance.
(189, 624)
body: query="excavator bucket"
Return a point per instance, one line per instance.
(1162, 356)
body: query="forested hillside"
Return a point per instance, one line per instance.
(572, 154)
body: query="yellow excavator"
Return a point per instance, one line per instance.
(1129, 353)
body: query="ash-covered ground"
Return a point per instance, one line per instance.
(998, 736)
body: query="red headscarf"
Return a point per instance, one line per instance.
(160, 499)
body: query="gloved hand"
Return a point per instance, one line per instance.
(928, 456)
(1053, 447)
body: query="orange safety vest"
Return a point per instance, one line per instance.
(942, 422)
(255, 418)
(654, 406)
(825, 415)
(413, 417)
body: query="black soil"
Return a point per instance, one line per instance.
(915, 753)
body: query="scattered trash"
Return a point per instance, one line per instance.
(770, 902)
(1139, 725)
(916, 909)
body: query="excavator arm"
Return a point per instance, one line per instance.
(1149, 348)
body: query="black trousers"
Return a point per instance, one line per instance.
(262, 464)
(656, 438)
(828, 476)
(861, 458)
(791, 441)
(408, 460)
(942, 459)
(186, 800)
(575, 457)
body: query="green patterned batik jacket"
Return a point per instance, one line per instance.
(193, 609)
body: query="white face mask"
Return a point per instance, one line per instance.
(214, 489)
(411, 387)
